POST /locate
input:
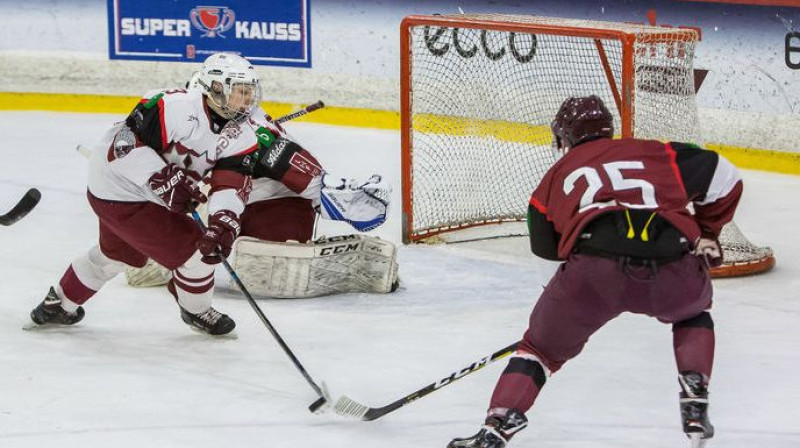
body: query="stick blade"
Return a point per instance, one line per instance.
(23, 207)
(347, 407)
(322, 404)
(316, 406)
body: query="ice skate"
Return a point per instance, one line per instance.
(51, 312)
(495, 433)
(694, 409)
(210, 322)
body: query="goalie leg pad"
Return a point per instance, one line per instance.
(152, 274)
(348, 263)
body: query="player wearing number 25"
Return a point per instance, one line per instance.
(615, 211)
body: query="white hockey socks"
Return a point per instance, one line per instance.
(194, 284)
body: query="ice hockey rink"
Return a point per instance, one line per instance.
(131, 374)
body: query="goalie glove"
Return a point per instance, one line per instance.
(363, 205)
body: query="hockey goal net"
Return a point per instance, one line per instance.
(478, 92)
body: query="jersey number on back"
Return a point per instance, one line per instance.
(618, 183)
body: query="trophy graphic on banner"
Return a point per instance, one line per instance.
(213, 20)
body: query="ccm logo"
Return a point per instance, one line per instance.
(475, 366)
(338, 249)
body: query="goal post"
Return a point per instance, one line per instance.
(478, 93)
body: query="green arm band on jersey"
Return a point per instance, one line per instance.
(153, 101)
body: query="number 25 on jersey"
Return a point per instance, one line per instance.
(614, 171)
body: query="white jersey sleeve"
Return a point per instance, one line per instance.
(173, 126)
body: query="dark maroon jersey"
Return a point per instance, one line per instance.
(605, 175)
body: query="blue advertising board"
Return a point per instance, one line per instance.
(265, 32)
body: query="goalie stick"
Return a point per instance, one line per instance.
(323, 396)
(350, 408)
(23, 207)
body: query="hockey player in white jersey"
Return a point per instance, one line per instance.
(143, 180)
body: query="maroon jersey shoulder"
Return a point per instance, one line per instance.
(605, 175)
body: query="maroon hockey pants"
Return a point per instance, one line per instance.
(588, 291)
(279, 220)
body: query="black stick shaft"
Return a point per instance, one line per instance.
(300, 113)
(263, 318)
(375, 413)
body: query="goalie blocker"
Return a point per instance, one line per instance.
(348, 263)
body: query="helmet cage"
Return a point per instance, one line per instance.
(231, 85)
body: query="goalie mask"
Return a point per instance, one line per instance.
(231, 85)
(579, 120)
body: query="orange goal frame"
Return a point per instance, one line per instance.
(624, 95)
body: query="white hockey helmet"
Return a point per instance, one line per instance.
(230, 83)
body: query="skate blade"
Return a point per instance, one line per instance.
(232, 336)
(696, 440)
(46, 328)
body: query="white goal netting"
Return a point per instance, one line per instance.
(480, 92)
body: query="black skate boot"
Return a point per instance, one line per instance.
(51, 312)
(496, 432)
(694, 408)
(210, 321)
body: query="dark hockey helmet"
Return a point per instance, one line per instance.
(581, 119)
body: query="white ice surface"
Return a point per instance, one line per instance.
(133, 375)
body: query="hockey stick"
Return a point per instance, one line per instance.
(349, 408)
(298, 114)
(322, 400)
(23, 207)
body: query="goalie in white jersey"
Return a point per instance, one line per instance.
(143, 181)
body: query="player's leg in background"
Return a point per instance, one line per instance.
(279, 220)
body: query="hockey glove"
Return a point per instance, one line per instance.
(363, 205)
(709, 250)
(179, 193)
(217, 241)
